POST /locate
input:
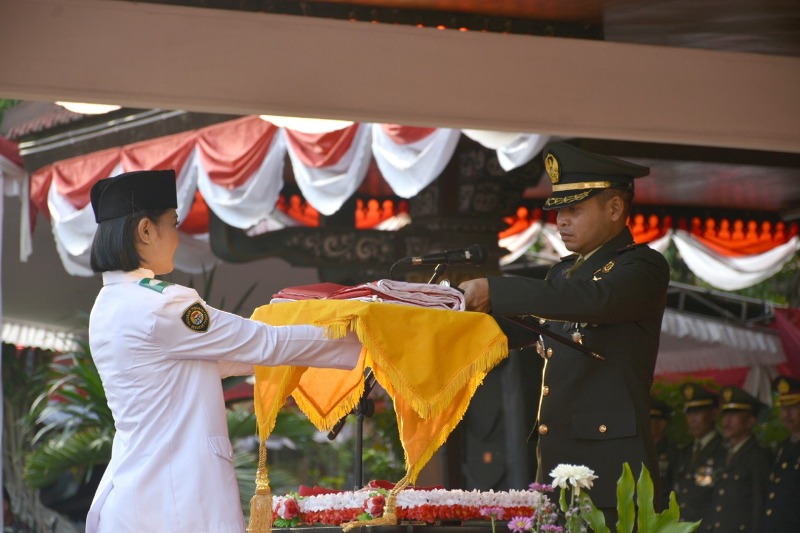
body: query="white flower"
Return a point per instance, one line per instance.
(578, 476)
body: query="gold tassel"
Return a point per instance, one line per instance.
(261, 502)
(389, 516)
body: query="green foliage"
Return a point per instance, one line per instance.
(631, 497)
(6, 104)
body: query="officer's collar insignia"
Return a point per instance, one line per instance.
(688, 392)
(608, 267)
(196, 318)
(783, 386)
(727, 394)
(551, 165)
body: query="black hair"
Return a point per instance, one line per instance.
(114, 244)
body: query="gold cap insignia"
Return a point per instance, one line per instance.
(727, 394)
(608, 267)
(688, 392)
(551, 165)
(783, 386)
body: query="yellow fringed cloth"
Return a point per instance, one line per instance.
(430, 362)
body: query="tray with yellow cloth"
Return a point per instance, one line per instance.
(429, 361)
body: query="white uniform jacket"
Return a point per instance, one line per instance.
(161, 353)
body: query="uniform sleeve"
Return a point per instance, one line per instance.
(186, 328)
(633, 290)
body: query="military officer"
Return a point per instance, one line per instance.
(660, 414)
(608, 296)
(782, 513)
(737, 503)
(697, 464)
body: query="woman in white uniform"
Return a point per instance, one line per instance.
(161, 352)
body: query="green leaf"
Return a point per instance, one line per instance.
(562, 500)
(594, 517)
(84, 449)
(625, 506)
(644, 501)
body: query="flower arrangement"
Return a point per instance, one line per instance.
(575, 512)
(530, 510)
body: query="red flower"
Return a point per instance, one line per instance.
(375, 505)
(287, 508)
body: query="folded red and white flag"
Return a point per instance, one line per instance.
(384, 290)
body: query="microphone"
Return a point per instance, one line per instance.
(474, 255)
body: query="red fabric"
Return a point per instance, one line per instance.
(73, 178)
(10, 151)
(406, 134)
(318, 150)
(316, 490)
(196, 221)
(787, 322)
(232, 151)
(163, 153)
(722, 377)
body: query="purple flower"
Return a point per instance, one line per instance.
(552, 527)
(492, 512)
(540, 487)
(520, 524)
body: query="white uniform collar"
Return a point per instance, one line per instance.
(118, 276)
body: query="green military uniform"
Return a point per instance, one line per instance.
(697, 464)
(593, 413)
(782, 508)
(739, 494)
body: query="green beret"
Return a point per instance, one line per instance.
(577, 174)
(130, 192)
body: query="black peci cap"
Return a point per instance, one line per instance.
(577, 174)
(133, 191)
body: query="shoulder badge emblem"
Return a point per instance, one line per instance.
(196, 318)
(154, 284)
(551, 165)
(783, 386)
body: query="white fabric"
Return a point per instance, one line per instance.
(513, 149)
(690, 343)
(42, 336)
(327, 188)
(252, 202)
(519, 243)
(409, 168)
(171, 466)
(732, 273)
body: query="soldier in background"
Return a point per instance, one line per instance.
(666, 451)
(697, 463)
(740, 489)
(782, 514)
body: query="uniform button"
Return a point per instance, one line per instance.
(683, 505)
(718, 508)
(721, 492)
(684, 491)
(741, 528)
(777, 480)
(725, 476)
(784, 465)
(545, 390)
(542, 429)
(716, 526)
(602, 428)
(771, 495)
(549, 353)
(769, 512)
(736, 477)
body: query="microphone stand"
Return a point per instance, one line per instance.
(364, 408)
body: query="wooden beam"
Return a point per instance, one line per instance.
(158, 56)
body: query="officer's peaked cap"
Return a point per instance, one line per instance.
(735, 399)
(788, 390)
(133, 191)
(696, 396)
(577, 174)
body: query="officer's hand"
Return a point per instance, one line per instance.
(476, 295)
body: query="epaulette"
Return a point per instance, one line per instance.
(631, 246)
(154, 284)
